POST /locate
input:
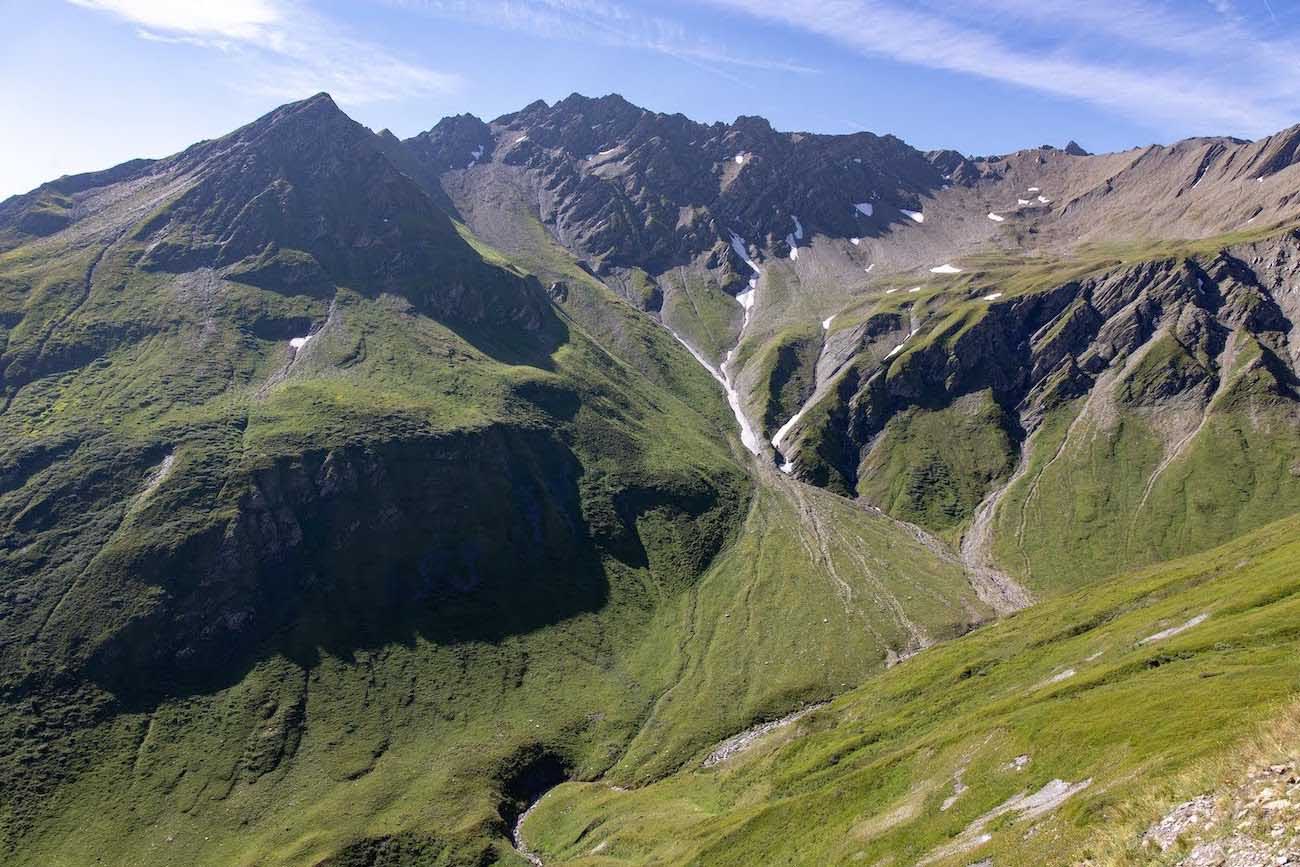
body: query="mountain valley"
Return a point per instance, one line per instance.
(595, 486)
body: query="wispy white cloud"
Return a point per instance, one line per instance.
(1197, 69)
(285, 49)
(604, 22)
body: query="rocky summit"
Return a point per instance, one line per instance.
(595, 486)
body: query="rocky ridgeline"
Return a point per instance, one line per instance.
(624, 187)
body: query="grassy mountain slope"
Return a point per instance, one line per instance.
(336, 547)
(1136, 687)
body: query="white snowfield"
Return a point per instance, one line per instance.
(915, 215)
(747, 436)
(945, 269)
(899, 348)
(738, 244)
(992, 296)
(855, 241)
(297, 343)
(826, 323)
(785, 428)
(901, 343)
(997, 218)
(915, 289)
(791, 243)
(1022, 202)
(740, 159)
(891, 291)
(1044, 200)
(1034, 190)
(869, 267)
(865, 208)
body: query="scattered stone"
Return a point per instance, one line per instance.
(1198, 812)
(739, 743)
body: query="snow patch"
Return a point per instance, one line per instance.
(1062, 675)
(477, 153)
(826, 323)
(1022, 202)
(798, 227)
(747, 436)
(296, 343)
(997, 218)
(792, 242)
(915, 215)
(780, 435)
(855, 241)
(1175, 630)
(899, 348)
(787, 467)
(865, 208)
(891, 291)
(742, 250)
(740, 159)
(869, 267)
(1034, 190)
(945, 269)
(915, 289)
(992, 296)
(1044, 200)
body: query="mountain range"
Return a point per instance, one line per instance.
(596, 486)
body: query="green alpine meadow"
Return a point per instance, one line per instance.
(596, 486)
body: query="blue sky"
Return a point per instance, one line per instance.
(85, 84)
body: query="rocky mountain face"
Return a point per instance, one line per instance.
(627, 188)
(355, 491)
(890, 297)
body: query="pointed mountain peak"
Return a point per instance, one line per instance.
(1073, 149)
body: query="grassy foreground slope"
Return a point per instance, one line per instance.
(1053, 737)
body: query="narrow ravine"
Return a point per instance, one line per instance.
(748, 436)
(517, 834)
(994, 587)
